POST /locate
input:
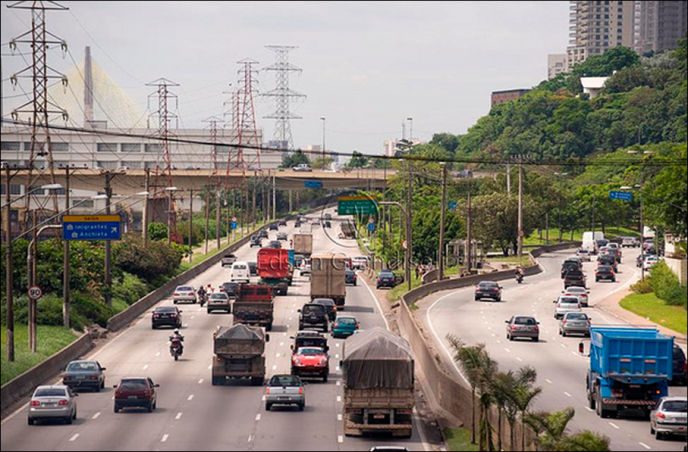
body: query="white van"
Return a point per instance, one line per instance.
(240, 272)
(590, 243)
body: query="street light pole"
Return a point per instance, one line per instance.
(9, 268)
(440, 257)
(145, 210)
(409, 222)
(65, 283)
(323, 145)
(191, 193)
(108, 247)
(520, 213)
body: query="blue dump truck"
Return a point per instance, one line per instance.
(630, 369)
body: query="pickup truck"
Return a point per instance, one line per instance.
(630, 369)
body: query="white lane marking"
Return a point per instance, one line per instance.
(274, 367)
(73, 438)
(507, 350)
(615, 426)
(278, 355)
(589, 409)
(340, 418)
(263, 398)
(574, 353)
(339, 399)
(337, 344)
(164, 438)
(645, 446)
(519, 359)
(336, 356)
(281, 344)
(157, 354)
(257, 417)
(178, 416)
(563, 345)
(192, 316)
(548, 381)
(567, 394)
(339, 383)
(200, 382)
(186, 325)
(210, 367)
(494, 335)
(379, 308)
(250, 438)
(338, 369)
(340, 439)
(499, 342)
(190, 398)
(145, 367)
(95, 416)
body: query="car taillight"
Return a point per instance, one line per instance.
(267, 391)
(173, 315)
(336, 325)
(357, 326)
(300, 390)
(63, 403)
(512, 327)
(564, 322)
(146, 393)
(661, 415)
(93, 377)
(685, 369)
(35, 403)
(176, 294)
(155, 316)
(66, 378)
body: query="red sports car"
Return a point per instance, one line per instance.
(311, 362)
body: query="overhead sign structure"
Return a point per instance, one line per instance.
(356, 205)
(621, 195)
(92, 227)
(313, 184)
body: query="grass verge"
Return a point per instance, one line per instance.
(51, 339)
(656, 310)
(459, 439)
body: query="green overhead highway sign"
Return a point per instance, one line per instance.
(356, 205)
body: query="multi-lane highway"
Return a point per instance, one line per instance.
(191, 413)
(561, 369)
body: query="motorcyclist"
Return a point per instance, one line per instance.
(519, 273)
(201, 295)
(177, 335)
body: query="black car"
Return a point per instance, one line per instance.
(679, 367)
(350, 277)
(297, 224)
(263, 234)
(386, 279)
(274, 244)
(253, 268)
(230, 288)
(273, 227)
(167, 315)
(256, 241)
(327, 224)
(313, 316)
(329, 305)
(605, 272)
(282, 223)
(571, 265)
(608, 260)
(327, 216)
(488, 289)
(574, 279)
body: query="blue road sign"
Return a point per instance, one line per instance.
(452, 206)
(234, 225)
(621, 195)
(91, 227)
(313, 184)
(371, 227)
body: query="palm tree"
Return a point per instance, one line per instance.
(585, 441)
(524, 395)
(552, 433)
(502, 387)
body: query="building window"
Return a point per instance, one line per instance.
(150, 165)
(106, 165)
(131, 147)
(84, 203)
(15, 189)
(131, 165)
(13, 146)
(107, 147)
(59, 147)
(154, 147)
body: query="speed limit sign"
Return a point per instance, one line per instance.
(35, 293)
(404, 245)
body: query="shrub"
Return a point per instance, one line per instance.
(663, 281)
(678, 296)
(642, 287)
(130, 289)
(148, 262)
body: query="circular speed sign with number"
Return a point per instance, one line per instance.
(35, 293)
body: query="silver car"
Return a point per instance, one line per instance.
(575, 323)
(522, 326)
(184, 293)
(285, 390)
(584, 255)
(564, 305)
(52, 402)
(84, 374)
(669, 417)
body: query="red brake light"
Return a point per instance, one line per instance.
(63, 402)
(93, 377)
(661, 415)
(67, 378)
(267, 391)
(300, 390)
(336, 325)
(176, 294)
(35, 403)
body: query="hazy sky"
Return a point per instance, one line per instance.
(367, 66)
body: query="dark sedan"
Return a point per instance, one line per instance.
(167, 316)
(256, 241)
(273, 227)
(136, 392)
(274, 244)
(350, 277)
(386, 279)
(230, 288)
(488, 289)
(605, 272)
(84, 374)
(330, 307)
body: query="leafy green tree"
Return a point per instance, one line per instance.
(358, 160)
(150, 262)
(447, 141)
(322, 163)
(666, 201)
(292, 160)
(157, 231)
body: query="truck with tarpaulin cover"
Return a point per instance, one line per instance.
(378, 384)
(630, 369)
(239, 352)
(303, 244)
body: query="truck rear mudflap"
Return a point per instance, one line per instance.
(629, 403)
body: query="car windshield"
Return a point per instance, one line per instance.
(525, 321)
(346, 321)
(313, 309)
(568, 300)
(310, 351)
(675, 406)
(324, 302)
(488, 285)
(81, 367)
(239, 267)
(166, 309)
(575, 290)
(133, 385)
(577, 316)
(386, 275)
(185, 289)
(50, 392)
(604, 269)
(216, 296)
(284, 380)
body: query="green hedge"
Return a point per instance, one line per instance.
(666, 286)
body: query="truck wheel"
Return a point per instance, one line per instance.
(257, 381)
(268, 327)
(659, 436)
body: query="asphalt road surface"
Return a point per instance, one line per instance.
(561, 369)
(191, 413)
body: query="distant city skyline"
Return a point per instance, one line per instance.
(367, 67)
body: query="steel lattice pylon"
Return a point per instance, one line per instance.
(39, 108)
(282, 94)
(247, 131)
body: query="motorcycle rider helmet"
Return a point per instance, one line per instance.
(176, 331)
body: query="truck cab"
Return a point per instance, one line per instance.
(254, 305)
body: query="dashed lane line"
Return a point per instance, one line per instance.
(164, 438)
(178, 416)
(95, 416)
(73, 438)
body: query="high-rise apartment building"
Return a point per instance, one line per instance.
(661, 25)
(595, 26)
(556, 64)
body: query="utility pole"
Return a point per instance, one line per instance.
(324, 120)
(9, 268)
(520, 212)
(469, 230)
(145, 215)
(594, 240)
(409, 225)
(65, 283)
(274, 196)
(218, 218)
(508, 179)
(440, 257)
(207, 216)
(108, 247)
(253, 209)
(191, 191)
(291, 203)
(32, 281)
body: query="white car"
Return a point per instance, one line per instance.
(650, 262)
(580, 292)
(566, 304)
(359, 263)
(305, 267)
(240, 272)
(630, 242)
(584, 255)
(52, 402)
(303, 167)
(184, 293)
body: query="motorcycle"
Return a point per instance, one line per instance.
(202, 298)
(519, 278)
(176, 348)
